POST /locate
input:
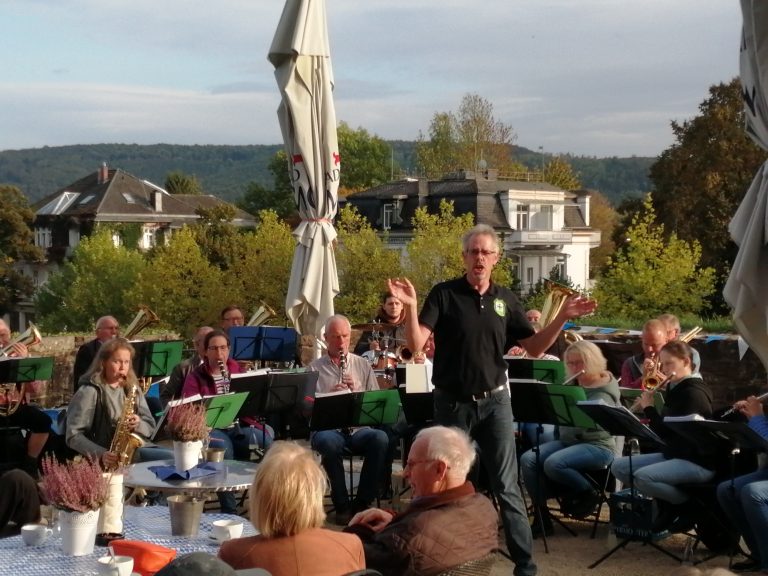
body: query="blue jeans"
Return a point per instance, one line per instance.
(546, 432)
(657, 476)
(746, 505)
(261, 437)
(489, 422)
(223, 438)
(149, 453)
(371, 444)
(561, 464)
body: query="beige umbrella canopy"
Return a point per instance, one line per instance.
(747, 288)
(301, 57)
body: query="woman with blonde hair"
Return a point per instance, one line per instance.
(576, 449)
(286, 507)
(98, 404)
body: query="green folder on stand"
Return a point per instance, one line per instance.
(221, 410)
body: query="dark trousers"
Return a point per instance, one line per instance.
(19, 501)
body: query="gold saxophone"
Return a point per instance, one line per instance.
(124, 442)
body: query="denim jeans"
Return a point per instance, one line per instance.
(657, 476)
(261, 437)
(224, 439)
(489, 422)
(561, 464)
(746, 505)
(368, 442)
(546, 432)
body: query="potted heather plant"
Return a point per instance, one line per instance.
(187, 428)
(78, 488)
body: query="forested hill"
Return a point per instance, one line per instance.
(225, 171)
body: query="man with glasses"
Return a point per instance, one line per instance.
(231, 316)
(447, 522)
(107, 327)
(475, 321)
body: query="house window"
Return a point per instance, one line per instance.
(387, 216)
(546, 216)
(560, 268)
(529, 276)
(523, 216)
(117, 239)
(43, 237)
(148, 238)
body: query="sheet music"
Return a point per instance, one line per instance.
(418, 378)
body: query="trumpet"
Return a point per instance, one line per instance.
(29, 337)
(651, 380)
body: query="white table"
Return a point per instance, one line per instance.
(150, 524)
(234, 476)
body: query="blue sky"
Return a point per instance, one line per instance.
(592, 77)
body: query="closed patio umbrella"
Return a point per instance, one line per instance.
(746, 290)
(301, 57)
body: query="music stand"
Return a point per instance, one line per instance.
(528, 369)
(619, 421)
(541, 403)
(156, 357)
(221, 410)
(418, 407)
(255, 384)
(351, 409)
(26, 369)
(245, 342)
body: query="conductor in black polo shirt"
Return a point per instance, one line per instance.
(474, 322)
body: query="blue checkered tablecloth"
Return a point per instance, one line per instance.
(151, 524)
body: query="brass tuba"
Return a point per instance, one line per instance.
(124, 442)
(144, 317)
(262, 314)
(555, 300)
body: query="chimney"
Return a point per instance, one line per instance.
(103, 174)
(582, 200)
(157, 201)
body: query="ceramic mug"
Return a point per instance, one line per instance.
(226, 529)
(117, 566)
(35, 534)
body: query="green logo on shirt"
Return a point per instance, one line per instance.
(499, 307)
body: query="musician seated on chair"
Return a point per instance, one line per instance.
(15, 412)
(101, 402)
(172, 389)
(340, 371)
(745, 499)
(680, 462)
(672, 324)
(107, 327)
(447, 522)
(231, 316)
(390, 312)
(577, 449)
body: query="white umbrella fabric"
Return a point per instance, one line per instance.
(745, 290)
(301, 57)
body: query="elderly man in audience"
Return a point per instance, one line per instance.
(446, 524)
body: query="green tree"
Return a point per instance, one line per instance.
(650, 275)
(364, 264)
(16, 245)
(604, 217)
(264, 268)
(365, 159)
(279, 198)
(435, 252)
(217, 237)
(465, 138)
(180, 183)
(95, 282)
(560, 173)
(182, 287)
(700, 180)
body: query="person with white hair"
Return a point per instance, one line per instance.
(447, 522)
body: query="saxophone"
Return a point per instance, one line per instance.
(125, 442)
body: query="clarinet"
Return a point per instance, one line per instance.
(342, 366)
(224, 375)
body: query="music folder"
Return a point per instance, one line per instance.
(155, 358)
(618, 420)
(551, 371)
(220, 411)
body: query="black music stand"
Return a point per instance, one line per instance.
(619, 421)
(529, 369)
(418, 407)
(542, 403)
(26, 369)
(156, 357)
(351, 409)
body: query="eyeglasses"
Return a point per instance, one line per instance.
(217, 348)
(233, 318)
(478, 252)
(411, 463)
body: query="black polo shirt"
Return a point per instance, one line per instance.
(472, 334)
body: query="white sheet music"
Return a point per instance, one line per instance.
(418, 378)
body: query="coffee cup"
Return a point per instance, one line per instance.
(115, 566)
(35, 534)
(226, 529)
